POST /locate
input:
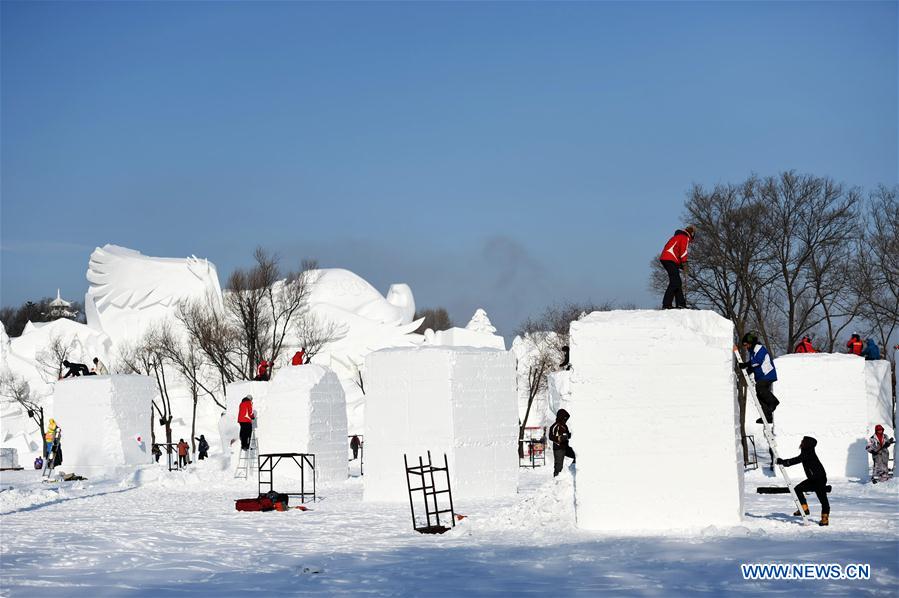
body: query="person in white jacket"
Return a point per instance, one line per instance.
(99, 368)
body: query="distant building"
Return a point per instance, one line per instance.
(60, 308)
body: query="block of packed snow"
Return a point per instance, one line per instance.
(460, 401)
(823, 395)
(653, 403)
(105, 420)
(879, 386)
(301, 410)
(9, 458)
(558, 392)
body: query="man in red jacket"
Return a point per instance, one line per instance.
(804, 346)
(855, 344)
(262, 372)
(245, 417)
(674, 258)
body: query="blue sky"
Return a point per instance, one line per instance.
(503, 155)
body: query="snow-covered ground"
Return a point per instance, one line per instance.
(178, 532)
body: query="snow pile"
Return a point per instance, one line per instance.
(454, 400)
(823, 395)
(878, 384)
(654, 403)
(105, 420)
(302, 410)
(9, 458)
(550, 510)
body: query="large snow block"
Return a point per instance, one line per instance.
(460, 401)
(823, 395)
(9, 458)
(301, 410)
(655, 421)
(879, 386)
(102, 418)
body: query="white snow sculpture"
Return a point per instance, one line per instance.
(478, 333)
(879, 386)
(350, 293)
(100, 416)
(302, 410)
(400, 296)
(654, 406)
(83, 342)
(558, 394)
(823, 395)
(4, 345)
(454, 400)
(129, 291)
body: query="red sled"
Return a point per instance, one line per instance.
(254, 504)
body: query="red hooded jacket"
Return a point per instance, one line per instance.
(298, 358)
(804, 346)
(855, 345)
(245, 412)
(676, 248)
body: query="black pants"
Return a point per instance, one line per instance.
(182, 460)
(767, 399)
(202, 455)
(819, 488)
(355, 452)
(559, 455)
(675, 290)
(246, 431)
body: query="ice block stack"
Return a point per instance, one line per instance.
(653, 404)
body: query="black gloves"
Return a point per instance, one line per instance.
(746, 365)
(779, 461)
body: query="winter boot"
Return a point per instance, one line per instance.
(825, 519)
(804, 508)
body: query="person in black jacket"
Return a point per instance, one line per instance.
(202, 447)
(816, 477)
(560, 435)
(75, 369)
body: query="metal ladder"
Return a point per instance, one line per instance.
(768, 429)
(248, 461)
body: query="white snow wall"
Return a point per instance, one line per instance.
(460, 401)
(828, 396)
(879, 386)
(302, 410)
(101, 418)
(654, 403)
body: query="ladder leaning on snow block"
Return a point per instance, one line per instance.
(247, 461)
(769, 436)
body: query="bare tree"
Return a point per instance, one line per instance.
(314, 333)
(15, 389)
(51, 357)
(210, 329)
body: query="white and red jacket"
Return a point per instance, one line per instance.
(245, 412)
(676, 248)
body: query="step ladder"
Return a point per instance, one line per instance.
(248, 461)
(50, 461)
(768, 429)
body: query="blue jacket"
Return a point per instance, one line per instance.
(762, 364)
(871, 352)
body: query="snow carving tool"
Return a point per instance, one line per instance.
(769, 435)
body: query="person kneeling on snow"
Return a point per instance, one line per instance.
(878, 446)
(560, 435)
(245, 417)
(816, 477)
(762, 367)
(75, 369)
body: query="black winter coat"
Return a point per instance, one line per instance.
(814, 471)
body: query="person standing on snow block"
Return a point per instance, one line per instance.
(804, 346)
(560, 435)
(674, 259)
(762, 367)
(878, 446)
(855, 344)
(75, 369)
(262, 374)
(871, 352)
(816, 477)
(99, 368)
(202, 447)
(355, 443)
(245, 417)
(299, 357)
